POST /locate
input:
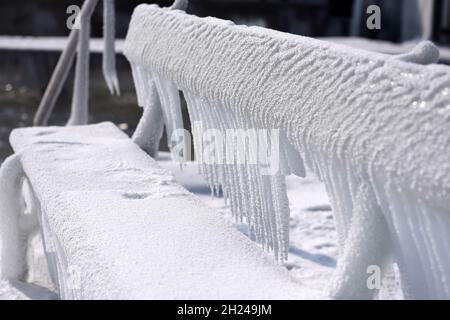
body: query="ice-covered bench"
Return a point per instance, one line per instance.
(374, 128)
(117, 226)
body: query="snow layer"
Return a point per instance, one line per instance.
(116, 225)
(375, 130)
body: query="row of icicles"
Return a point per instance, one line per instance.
(255, 198)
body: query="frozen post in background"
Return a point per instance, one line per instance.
(57, 80)
(61, 72)
(80, 43)
(80, 101)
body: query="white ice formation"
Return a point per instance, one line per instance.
(80, 101)
(424, 53)
(375, 130)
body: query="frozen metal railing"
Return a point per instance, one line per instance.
(374, 128)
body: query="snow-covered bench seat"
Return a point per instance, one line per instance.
(116, 225)
(374, 128)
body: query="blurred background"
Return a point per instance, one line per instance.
(26, 69)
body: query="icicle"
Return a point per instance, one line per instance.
(137, 84)
(254, 198)
(13, 247)
(197, 130)
(109, 53)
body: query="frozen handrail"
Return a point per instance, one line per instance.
(59, 77)
(374, 129)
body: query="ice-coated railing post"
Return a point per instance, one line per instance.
(80, 101)
(57, 80)
(65, 62)
(357, 18)
(60, 74)
(150, 128)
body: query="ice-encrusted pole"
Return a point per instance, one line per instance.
(80, 101)
(150, 128)
(62, 69)
(65, 62)
(367, 244)
(57, 81)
